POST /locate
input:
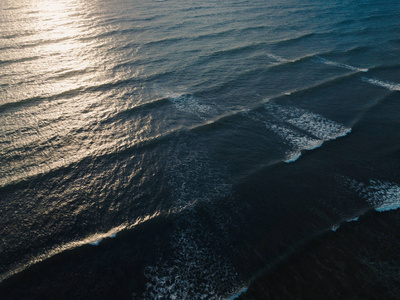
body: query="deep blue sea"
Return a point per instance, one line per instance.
(199, 149)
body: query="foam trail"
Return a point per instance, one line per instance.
(190, 104)
(337, 226)
(292, 157)
(300, 129)
(314, 124)
(388, 85)
(276, 57)
(383, 195)
(337, 64)
(187, 103)
(353, 219)
(295, 139)
(320, 127)
(97, 242)
(194, 271)
(244, 290)
(91, 240)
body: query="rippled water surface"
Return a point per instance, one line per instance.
(185, 149)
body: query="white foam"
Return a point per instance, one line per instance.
(97, 238)
(296, 139)
(383, 195)
(243, 290)
(194, 271)
(298, 128)
(276, 57)
(353, 219)
(319, 126)
(388, 85)
(292, 157)
(188, 103)
(314, 124)
(92, 240)
(97, 242)
(194, 179)
(337, 226)
(339, 65)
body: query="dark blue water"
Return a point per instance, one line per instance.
(194, 149)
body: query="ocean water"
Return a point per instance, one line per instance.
(199, 149)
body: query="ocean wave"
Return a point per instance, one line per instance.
(230, 115)
(314, 124)
(339, 65)
(240, 292)
(300, 129)
(382, 195)
(231, 51)
(276, 57)
(103, 35)
(157, 103)
(189, 103)
(337, 226)
(195, 269)
(60, 166)
(37, 43)
(66, 94)
(210, 116)
(295, 139)
(388, 85)
(317, 128)
(284, 42)
(18, 60)
(92, 240)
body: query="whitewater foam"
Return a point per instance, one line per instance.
(353, 219)
(188, 103)
(97, 242)
(319, 126)
(276, 57)
(193, 178)
(292, 157)
(295, 139)
(194, 271)
(382, 195)
(94, 240)
(194, 268)
(301, 129)
(337, 226)
(236, 296)
(314, 124)
(388, 85)
(325, 61)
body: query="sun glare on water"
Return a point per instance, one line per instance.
(57, 61)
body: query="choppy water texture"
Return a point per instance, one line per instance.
(199, 149)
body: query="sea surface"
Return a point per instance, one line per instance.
(199, 149)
